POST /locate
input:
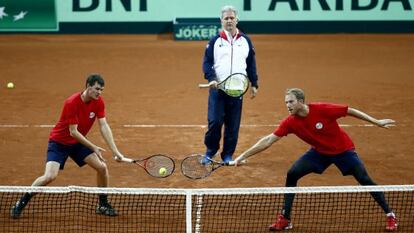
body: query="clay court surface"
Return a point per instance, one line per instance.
(152, 80)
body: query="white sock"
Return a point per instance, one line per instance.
(391, 214)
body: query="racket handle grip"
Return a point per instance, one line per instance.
(203, 85)
(128, 160)
(231, 163)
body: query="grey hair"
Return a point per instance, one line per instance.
(228, 8)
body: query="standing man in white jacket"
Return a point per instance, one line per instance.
(229, 52)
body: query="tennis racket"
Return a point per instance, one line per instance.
(199, 166)
(159, 166)
(235, 85)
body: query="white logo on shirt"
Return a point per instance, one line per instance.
(91, 115)
(319, 125)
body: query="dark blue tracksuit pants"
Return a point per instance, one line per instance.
(223, 109)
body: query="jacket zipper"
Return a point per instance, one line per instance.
(231, 60)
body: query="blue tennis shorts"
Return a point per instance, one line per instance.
(59, 153)
(346, 162)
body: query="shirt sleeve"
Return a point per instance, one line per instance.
(69, 113)
(251, 64)
(336, 110)
(283, 128)
(208, 61)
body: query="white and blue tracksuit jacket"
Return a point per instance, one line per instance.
(225, 55)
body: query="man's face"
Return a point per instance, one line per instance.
(95, 91)
(292, 104)
(229, 21)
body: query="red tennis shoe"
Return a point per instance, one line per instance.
(392, 223)
(281, 223)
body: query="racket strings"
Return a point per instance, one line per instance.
(236, 85)
(194, 167)
(155, 163)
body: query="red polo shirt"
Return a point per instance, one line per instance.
(319, 128)
(77, 112)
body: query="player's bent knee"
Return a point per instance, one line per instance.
(102, 168)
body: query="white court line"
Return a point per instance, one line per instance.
(14, 126)
(169, 126)
(43, 126)
(26, 126)
(189, 126)
(242, 126)
(165, 126)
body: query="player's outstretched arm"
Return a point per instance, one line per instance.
(108, 137)
(260, 146)
(384, 123)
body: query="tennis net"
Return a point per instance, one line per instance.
(315, 209)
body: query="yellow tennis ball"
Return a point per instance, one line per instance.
(10, 85)
(162, 171)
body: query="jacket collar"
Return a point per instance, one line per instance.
(226, 35)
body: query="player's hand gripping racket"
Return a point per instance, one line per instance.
(199, 166)
(235, 85)
(159, 166)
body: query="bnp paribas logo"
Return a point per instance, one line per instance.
(28, 15)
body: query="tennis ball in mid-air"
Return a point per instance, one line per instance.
(162, 171)
(10, 85)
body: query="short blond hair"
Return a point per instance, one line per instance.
(297, 92)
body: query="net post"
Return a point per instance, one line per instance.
(188, 209)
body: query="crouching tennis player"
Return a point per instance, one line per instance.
(68, 139)
(315, 123)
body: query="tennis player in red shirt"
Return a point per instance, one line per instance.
(68, 139)
(315, 123)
